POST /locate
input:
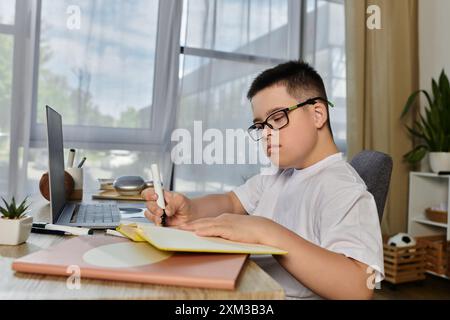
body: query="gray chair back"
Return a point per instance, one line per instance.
(375, 169)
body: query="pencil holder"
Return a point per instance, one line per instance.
(77, 175)
(44, 185)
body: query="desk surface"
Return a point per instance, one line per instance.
(253, 283)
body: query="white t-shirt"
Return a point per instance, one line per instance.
(327, 204)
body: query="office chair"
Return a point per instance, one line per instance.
(375, 169)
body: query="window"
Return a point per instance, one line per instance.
(253, 27)
(226, 43)
(215, 95)
(102, 76)
(99, 164)
(108, 77)
(324, 46)
(7, 13)
(99, 76)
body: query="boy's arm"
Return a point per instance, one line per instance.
(180, 209)
(328, 274)
(215, 204)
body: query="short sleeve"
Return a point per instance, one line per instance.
(250, 193)
(349, 225)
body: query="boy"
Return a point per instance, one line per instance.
(316, 206)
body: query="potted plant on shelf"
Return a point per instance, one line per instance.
(432, 129)
(15, 225)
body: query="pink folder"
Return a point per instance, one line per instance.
(201, 270)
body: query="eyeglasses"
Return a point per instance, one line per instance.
(279, 119)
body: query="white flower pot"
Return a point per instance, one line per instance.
(440, 161)
(13, 231)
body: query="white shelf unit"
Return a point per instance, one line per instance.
(427, 190)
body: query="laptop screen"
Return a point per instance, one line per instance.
(55, 163)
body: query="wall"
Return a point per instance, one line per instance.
(434, 39)
(434, 45)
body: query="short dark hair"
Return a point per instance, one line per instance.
(301, 80)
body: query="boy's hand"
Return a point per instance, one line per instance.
(242, 228)
(178, 208)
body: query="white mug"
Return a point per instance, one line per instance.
(77, 175)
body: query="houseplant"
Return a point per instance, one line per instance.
(15, 225)
(432, 128)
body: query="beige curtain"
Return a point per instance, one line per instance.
(382, 71)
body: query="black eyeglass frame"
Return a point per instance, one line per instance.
(285, 111)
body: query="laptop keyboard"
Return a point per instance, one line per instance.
(98, 213)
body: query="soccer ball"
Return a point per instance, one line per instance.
(401, 240)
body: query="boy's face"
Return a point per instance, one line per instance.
(290, 146)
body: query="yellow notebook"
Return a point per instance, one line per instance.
(171, 239)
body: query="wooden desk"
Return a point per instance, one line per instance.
(253, 282)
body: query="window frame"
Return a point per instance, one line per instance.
(300, 44)
(98, 137)
(26, 34)
(298, 47)
(22, 33)
(311, 47)
(10, 29)
(295, 10)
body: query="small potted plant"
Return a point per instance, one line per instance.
(432, 129)
(15, 225)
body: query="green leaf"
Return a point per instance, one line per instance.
(415, 155)
(12, 211)
(4, 212)
(411, 100)
(444, 84)
(415, 133)
(427, 95)
(428, 130)
(409, 103)
(435, 88)
(4, 201)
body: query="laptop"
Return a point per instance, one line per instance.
(98, 216)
